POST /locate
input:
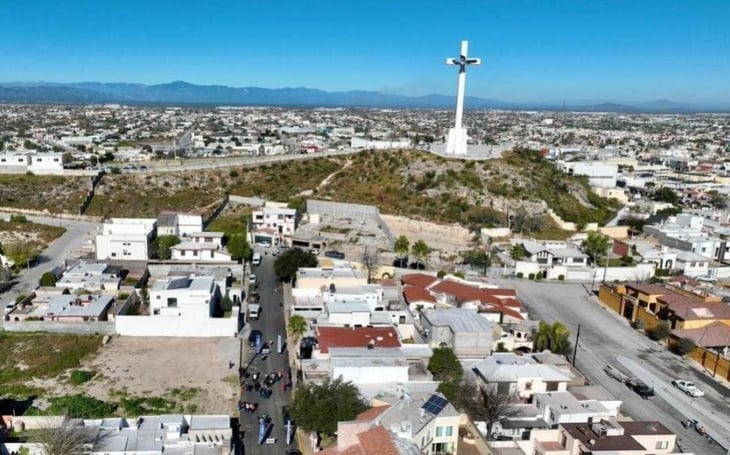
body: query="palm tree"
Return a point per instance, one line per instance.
(553, 337)
(420, 250)
(297, 326)
(401, 246)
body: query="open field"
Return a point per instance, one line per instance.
(41, 234)
(43, 192)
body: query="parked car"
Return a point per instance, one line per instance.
(418, 265)
(644, 390)
(252, 280)
(688, 387)
(401, 263)
(9, 307)
(314, 251)
(255, 337)
(334, 254)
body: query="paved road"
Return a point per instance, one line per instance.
(271, 324)
(605, 338)
(59, 250)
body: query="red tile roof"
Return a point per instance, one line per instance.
(713, 335)
(419, 280)
(414, 294)
(372, 413)
(452, 288)
(377, 441)
(356, 337)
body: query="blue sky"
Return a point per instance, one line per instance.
(531, 50)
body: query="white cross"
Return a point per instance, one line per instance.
(462, 61)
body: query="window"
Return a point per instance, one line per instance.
(172, 302)
(401, 319)
(662, 444)
(449, 431)
(182, 252)
(551, 386)
(195, 252)
(439, 431)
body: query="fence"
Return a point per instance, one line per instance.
(87, 200)
(342, 209)
(81, 328)
(163, 326)
(217, 211)
(712, 362)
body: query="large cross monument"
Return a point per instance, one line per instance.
(456, 143)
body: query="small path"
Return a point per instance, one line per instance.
(329, 178)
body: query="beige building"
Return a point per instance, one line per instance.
(319, 277)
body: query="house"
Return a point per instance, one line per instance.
(317, 277)
(564, 407)
(91, 277)
(465, 331)
(689, 233)
(127, 239)
(273, 225)
(62, 307)
(174, 433)
(407, 423)
(550, 253)
(201, 247)
(715, 336)
(190, 297)
(45, 163)
(521, 376)
(353, 337)
(604, 437)
(178, 224)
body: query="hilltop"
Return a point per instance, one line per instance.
(401, 182)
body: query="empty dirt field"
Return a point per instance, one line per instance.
(194, 370)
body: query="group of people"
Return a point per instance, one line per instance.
(263, 384)
(246, 406)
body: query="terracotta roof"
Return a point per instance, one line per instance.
(419, 280)
(585, 434)
(372, 413)
(682, 279)
(356, 337)
(649, 289)
(694, 310)
(500, 292)
(453, 288)
(712, 335)
(355, 449)
(388, 283)
(414, 294)
(642, 428)
(377, 441)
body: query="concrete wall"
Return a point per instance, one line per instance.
(84, 328)
(341, 209)
(169, 326)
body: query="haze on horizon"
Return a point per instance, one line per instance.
(621, 51)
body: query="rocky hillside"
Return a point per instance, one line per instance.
(415, 184)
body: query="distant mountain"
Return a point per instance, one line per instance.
(185, 93)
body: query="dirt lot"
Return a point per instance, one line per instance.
(447, 238)
(192, 372)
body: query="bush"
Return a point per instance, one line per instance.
(685, 346)
(638, 324)
(233, 173)
(115, 170)
(441, 273)
(48, 279)
(20, 219)
(78, 377)
(459, 274)
(538, 277)
(659, 332)
(561, 277)
(531, 276)
(520, 275)
(20, 298)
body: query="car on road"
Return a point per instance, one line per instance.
(264, 244)
(255, 337)
(334, 254)
(401, 263)
(253, 312)
(688, 387)
(644, 390)
(9, 308)
(252, 280)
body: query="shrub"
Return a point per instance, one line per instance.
(538, 277)
(78, 377)
(531, 276)
(459, 274)
(520, 275)
(685, 346)
(20, 298)
(659, 332)
(441, 273)
(561, 277)
(115, 170)
(233, 173)
(48, 279)
(638, 324)
(20, 219)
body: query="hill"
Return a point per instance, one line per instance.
(416, 184)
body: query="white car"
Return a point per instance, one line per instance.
(9, 308)
(688, 387)
(252, 280)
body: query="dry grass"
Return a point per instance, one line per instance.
(43, 234)
(43, 192)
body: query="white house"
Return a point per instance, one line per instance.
(564, 407)
(92, 277)
(600, 174)
(201, 246)
(43, 163)
(14, 161)
(692, 264)
(126, 239)
(178, 224)
(188, 297)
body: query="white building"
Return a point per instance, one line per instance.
(39, 163)
(178, 224)
(126, 239)
(564, 407)
(201, 247)
(600, 174)
(188, 297)
(92, 277)
(365, 143)
(273, 225)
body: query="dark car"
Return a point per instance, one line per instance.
(255, 337)
(334, 254)
(401, 263)
(418, 265)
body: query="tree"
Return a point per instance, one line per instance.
(477, 258)
(446, 368)
(483, 402)
(48, 279)
(685, 346)
(596, 244)
(420, 250)
(67, 439)
(287, 264)
(238, 247)
(94, 160)
(666, 194)
(401, 246)
(517, 252)
(21, 253)
(318, 407)
(659, 332)
(370, 261)
(163, 244)
(554, 337)
(297, 326)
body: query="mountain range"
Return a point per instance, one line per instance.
(184, 93)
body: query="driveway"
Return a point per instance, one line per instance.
(607, 338)
(271, 324)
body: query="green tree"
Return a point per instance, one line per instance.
(163, 245)
(94, 160)
(318, 407)
(596, 244)
(48, 279)
(554, 337)
(666, 194)
(477, 258)
(518, 252)
(445, 367)
(21, 253)
(420, 250)
(659, 332)
(238, 247)
(401, 246)
(287, 264)
(685, 346)
(297, 326)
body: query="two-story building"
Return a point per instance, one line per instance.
(127, 239)
(273, 225)
(465, 331)
(190, 297)
(178, 224)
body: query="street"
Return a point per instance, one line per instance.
(271, 324)
(607, 338)
(59, 250)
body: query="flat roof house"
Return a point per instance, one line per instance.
(466, 332)
(127, 239)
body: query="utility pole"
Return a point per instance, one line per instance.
(575, 348)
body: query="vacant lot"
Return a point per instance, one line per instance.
(41, 234)
(43, 192)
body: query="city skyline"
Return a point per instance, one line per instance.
(532, 51)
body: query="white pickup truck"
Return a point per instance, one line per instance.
(253, 311)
